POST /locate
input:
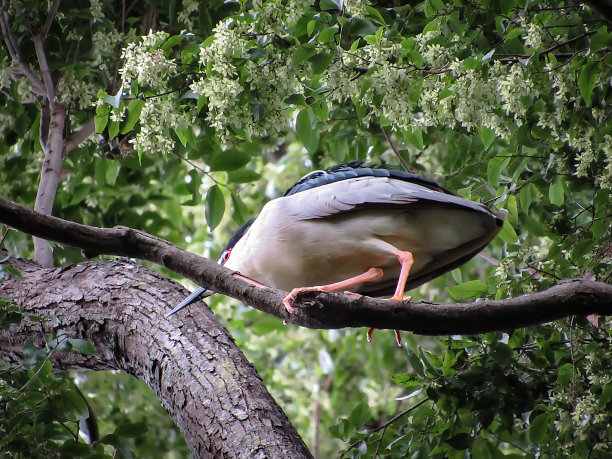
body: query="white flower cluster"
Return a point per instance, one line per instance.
(104, 44)
(188, 7)
(146, 63)
(158, 117)
(355, 8)
(76, 91)
(606, 178)
(534, 35)
(95, 9)
(268, 83)
(514, 90)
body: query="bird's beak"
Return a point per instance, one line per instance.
(200, 293)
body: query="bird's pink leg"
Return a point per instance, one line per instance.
(370, 275)
(406, 259)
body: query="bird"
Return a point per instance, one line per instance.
(367, 229)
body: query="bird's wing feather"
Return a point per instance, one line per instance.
(347, 195)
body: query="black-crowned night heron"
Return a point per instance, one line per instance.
(357, 227)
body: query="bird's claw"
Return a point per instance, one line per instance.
(288, 300)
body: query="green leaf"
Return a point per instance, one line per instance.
(311, 26)
(373, 13)
(487, 136)
(360, 415)
(507, 233)
(556, 192)
(82, 345)
(112, 172)
(327, 35)
(113, 129)
(242, 176)
(415, 137)
(100, 122)
(409, 380)
(304, 129)
(185, 135)
(80, 193)
(171, 42)
(302, 53)
(586, 81)
(241, 212)
(133, 115)
(564, 374)
(215, 206)
(538, 428)
(12, 271)
(468, 290)
(514, 33)
(320, 62)
(228, 160)
(525, 197)
(494, 169)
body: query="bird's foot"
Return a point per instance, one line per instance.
(401, 298)
(289, 299)
(398, 337)
(346, 292)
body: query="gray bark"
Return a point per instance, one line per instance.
(212, 392)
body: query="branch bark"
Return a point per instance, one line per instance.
(50, 177)
(212, 392)
(324, 310)
(11, 44)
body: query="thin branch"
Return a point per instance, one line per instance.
(44, 67)
(50, 17)
(391, 421)
(402, 161)
(323, 310)
(11, 44)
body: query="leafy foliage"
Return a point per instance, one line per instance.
(508, 103)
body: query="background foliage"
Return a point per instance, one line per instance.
(204, 110)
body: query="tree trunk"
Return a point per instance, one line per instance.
(212, 392)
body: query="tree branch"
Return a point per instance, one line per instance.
(11, 44)
(44, 68)
(78, 136)
(323, 310)
(50, 17)
(212, 392)
(50, 177)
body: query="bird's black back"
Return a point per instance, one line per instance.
(355, 169)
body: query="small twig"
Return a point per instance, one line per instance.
(391, 421)
(43, 363)
(397, 153)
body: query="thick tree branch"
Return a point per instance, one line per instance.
(212, 392)
(78, 136)
(320, 310)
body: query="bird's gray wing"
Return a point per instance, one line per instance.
(361, 192)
